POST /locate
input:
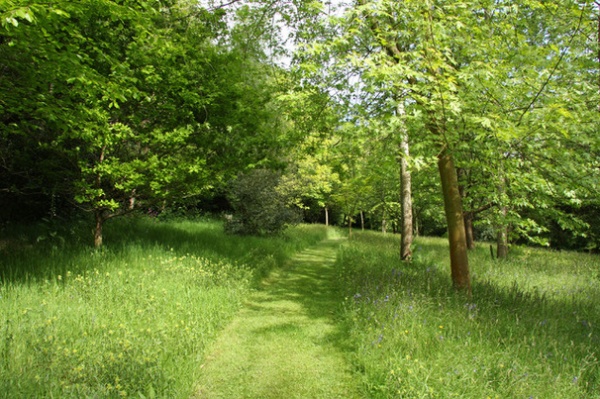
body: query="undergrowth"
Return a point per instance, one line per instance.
(131, 319)
(530, 330)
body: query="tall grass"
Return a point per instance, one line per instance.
(129, 320)
(530, 330)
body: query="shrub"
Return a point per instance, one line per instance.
(259, 207)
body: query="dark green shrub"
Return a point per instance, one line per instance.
(259, 207)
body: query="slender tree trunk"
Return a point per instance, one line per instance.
(406, 202)
(326, 217)
(502, 237)
(502, 233)
(468, 217)
(462, 175)
(417, 226)
(132, 200)
(99, 213)
(502, 243)
(349, 226)
(459, 261)
(100, 219)
(362, 221)
(406, 228)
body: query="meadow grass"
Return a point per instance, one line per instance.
(530, 329)
(132, 319)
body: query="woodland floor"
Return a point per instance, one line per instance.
(284, 343)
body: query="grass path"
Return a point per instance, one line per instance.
(284, 343)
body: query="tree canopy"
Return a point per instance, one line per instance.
(112, 107)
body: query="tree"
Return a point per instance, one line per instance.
(134, 105)
(261, 206)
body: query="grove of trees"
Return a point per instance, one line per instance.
(476, 119)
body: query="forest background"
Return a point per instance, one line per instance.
(114, 107)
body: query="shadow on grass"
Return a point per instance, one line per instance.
(552, 328)
(308, 283)
(44, 252)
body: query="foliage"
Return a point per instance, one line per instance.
(260, 206)
(109, 106)
(457, 66)
(529, 330)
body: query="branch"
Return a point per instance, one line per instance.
(224, 5)
(543, 87)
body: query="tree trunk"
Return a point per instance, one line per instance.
(502, 238)
(468, 217)
(502, 233)
(349, 226)
(326, 217)
(406, 229)
(462, 175)
(132, 200)
(362, 221)
(459, 261)
(416, 226)
(406, 202)
(502, 243)
(100, 219)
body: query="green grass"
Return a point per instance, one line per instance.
(529, 331)
(131, 320)
(156, 313)
(284, 343)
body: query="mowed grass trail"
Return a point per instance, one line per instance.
(284, 343)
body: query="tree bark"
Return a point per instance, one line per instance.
(132, 200)
(459, 261)
(349, 226)
(326, 217)
(502, 233)
(462, 175)
(100, 219)
(406, 228)
(405, 201)
(502, 243)
(362, 221)
(468, 217)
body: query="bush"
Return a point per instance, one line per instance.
(259, 207)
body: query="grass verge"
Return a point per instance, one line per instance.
(530, 330)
